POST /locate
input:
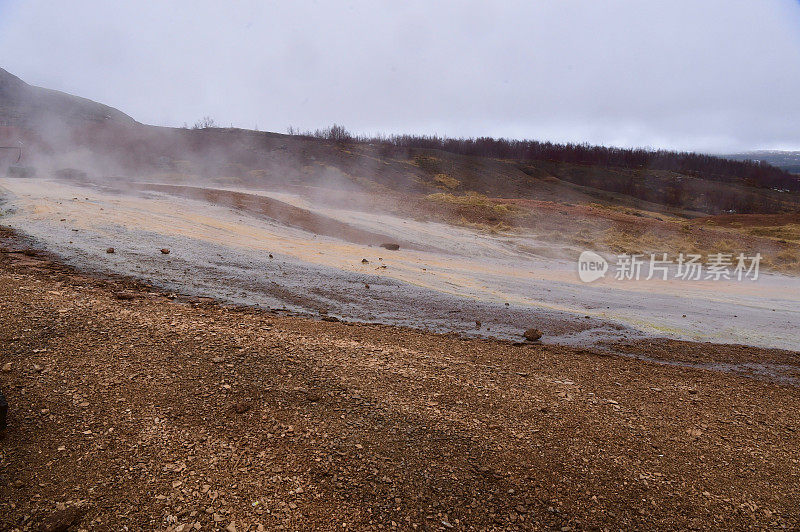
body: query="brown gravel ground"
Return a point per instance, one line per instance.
(133, 411)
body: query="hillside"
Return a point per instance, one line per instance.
(618, 200)
(785, 160)
(27, 107)
(220, 328)
(57, 124)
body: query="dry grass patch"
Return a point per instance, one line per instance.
(446, 181)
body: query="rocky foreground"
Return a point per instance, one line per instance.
(132, 409)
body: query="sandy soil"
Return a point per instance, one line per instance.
(134, 409)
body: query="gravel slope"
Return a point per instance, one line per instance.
(130, 409)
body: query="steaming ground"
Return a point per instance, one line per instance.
(443, 278)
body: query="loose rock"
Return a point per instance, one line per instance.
(241, 407)
(124, 296)
(61, 520)
(532, 334)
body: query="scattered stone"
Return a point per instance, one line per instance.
(124, 296)
(37, 368)
(532, 335)
(391, 247)
(61, 520)
(241, 407)
(217, 360)
(165, 251)
(364, 261)
(330, 318)
(313, 397)
(110, 250)
(7, 367)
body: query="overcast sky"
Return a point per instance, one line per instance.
(704, 75)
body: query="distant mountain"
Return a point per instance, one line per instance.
(30, 107)
(785, 160)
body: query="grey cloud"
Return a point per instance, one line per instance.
(705, 75)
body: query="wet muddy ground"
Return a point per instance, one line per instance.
(282, 250)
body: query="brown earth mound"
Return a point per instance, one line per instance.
(279, 211)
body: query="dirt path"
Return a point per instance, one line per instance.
(129, 409)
